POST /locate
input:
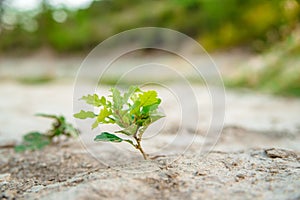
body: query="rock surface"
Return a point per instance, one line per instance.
(252, 174)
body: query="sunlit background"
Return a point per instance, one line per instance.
(70, 26)
(255, 43)
(75, 27)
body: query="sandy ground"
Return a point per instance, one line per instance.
(256, 156)
(63, 174)
(240, 166)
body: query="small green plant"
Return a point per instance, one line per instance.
(133, 112)
(37, 140)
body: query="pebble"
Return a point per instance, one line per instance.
(279, 153)
(7, 143)
(86, 165)
(76, 180)
(273, 171)
(36, 188)
(198, 173)
(43, 165)
(4, 177)
(240, 176)
(8, 195)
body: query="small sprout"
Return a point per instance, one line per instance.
(36, 140)
(60, 127)
(133, 112)
(33, 141)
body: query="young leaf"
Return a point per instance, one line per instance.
(103, 114)
(107, 137)
(33, 136)
(95, 124)
(135, 108)
(127, 119)
(94, 100)
(104, 118)
(119, 119)
(131, 91)
(33, 141)
(148, 98)
(130, 130)
(150, 108)
(117, 99)
(156, 116)
(20, 148)
(85, 114)
(147, 122)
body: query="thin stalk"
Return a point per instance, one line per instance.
(139, 147)
(138, 143)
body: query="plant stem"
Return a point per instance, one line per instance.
(139, 147)
(138, 143)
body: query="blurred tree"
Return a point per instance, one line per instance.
(216, 24)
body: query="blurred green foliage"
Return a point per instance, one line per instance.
(279, 70)
(216, 24)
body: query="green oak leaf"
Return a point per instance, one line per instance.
(135, 108)
(33, 141)
(131, 91)
(129, 130)
(103, 118)
(118, 101)
(95, 124)
(150, 108)
(94, 100)
(103, 114)
(148, 98)
(84, 114)
(107, 137)
(156, 116)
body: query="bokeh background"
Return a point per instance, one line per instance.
(255, 27)
(68, 27)
(255, 44)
